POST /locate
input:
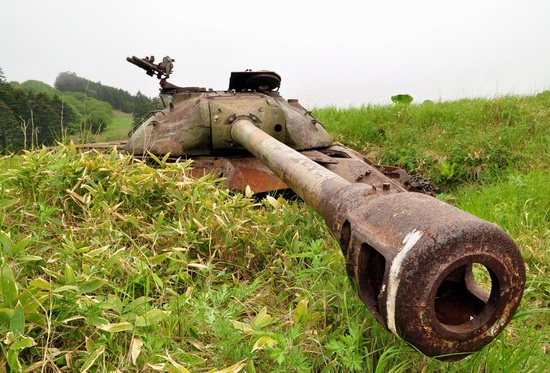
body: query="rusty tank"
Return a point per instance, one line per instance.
(414, 260)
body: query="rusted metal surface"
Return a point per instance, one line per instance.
(162, 132)
(103, 145)
(239, 173)
(410, 255)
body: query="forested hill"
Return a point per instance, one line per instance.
(33, 113)
(118, 98)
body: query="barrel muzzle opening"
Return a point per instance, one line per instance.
(447, 286)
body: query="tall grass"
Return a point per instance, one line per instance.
(468, 140)
(110, 264)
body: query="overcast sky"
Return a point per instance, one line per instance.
(328, 52)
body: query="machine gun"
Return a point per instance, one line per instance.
(162, 69)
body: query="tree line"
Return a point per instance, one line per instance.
(30, 119)
(118, 98)
(33, 113)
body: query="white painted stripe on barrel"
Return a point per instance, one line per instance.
(394, 277)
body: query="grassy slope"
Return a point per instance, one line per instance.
(118, 129)
(455, 142)
(120, 265)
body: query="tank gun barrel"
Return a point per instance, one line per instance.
(412, 257)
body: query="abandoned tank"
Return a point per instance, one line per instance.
(409, 255)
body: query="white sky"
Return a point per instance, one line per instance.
(328, 52)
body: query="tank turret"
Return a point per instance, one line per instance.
(196, 121)
(410, 256)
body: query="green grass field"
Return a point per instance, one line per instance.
(118, 129)
(109, 264)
